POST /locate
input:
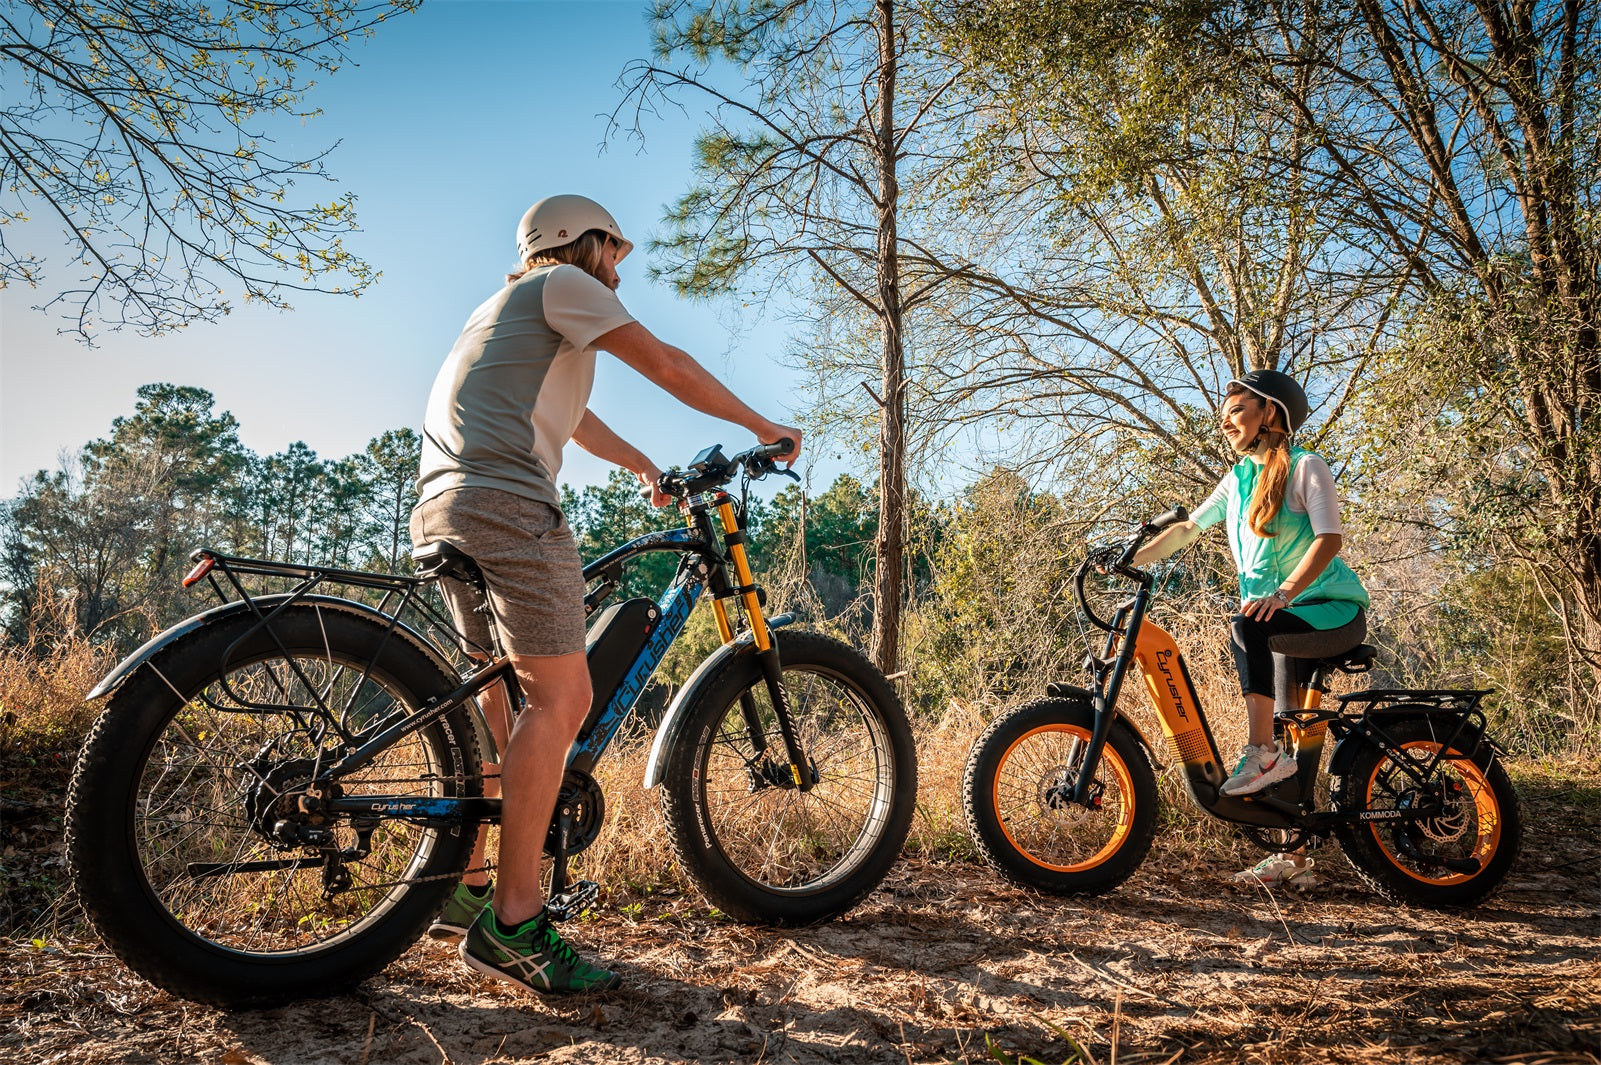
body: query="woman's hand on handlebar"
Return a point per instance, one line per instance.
(1170, 541)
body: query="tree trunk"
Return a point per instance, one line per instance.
(889, 548)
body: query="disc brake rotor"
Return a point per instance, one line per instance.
(1055, 795)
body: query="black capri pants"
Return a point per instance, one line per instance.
(1285, 652)
(1253, 656)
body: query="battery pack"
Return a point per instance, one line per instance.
(613, 644)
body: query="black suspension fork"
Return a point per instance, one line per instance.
(1107, 692)
(800, 769)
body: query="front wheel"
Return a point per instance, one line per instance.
(759, 848)
(1458, 854)
(1016, 791)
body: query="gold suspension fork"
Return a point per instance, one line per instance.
(800, 770)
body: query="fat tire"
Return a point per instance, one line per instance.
(700, 851)
(130, 735)
(986, 822)
(1372, 846)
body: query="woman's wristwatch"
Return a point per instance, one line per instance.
(1283, 599)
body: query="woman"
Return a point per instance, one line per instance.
(513, 390)
(1283, 519)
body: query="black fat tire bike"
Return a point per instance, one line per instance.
(280, 792)
(1060, 793)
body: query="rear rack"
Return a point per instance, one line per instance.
(400, 591)
(1414, 700)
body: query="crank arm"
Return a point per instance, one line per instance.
(581, 895)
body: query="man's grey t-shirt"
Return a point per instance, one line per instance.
(514, 387)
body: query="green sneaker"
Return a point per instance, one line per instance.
(533, 956)
(461, 910)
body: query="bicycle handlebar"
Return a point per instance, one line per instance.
(711, 469)
(1119, 558)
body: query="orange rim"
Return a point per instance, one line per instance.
(1021, 802)
(1485, 809)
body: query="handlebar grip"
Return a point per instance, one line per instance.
(782, 446)
(1171, 517)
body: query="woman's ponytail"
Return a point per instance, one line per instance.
(1271, 484)
(1273, 480)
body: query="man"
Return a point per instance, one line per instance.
(513, 390)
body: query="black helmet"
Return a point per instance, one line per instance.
(1279, 388)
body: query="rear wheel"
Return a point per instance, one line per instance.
(1015, 794)
(1463, 849)
(196, 843)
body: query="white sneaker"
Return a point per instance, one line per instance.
(1279, 870)
(1258, 767)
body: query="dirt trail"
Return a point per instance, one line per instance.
(1171, 967)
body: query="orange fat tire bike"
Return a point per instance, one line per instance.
(1060, 793)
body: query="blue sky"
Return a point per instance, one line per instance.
(451, 122)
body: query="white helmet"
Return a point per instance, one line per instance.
(558, 220)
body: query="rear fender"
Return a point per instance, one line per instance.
(667, 733)
(266, 604)
(1348, 746)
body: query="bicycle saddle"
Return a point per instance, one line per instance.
(1340, 648)
(444, 559)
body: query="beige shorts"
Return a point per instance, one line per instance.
(530, 563)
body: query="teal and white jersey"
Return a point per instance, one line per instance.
(1264, 563)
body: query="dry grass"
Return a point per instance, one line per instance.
(43, 720)
(43, 716)
(944, 964)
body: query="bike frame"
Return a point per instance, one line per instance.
(703, 568)
(1156, 656)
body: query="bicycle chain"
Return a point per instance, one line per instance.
(485, 868)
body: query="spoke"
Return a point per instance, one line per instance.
(782, 836)
(191, 810)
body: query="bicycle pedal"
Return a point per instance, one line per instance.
(579, 896)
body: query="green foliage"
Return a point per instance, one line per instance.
(998, 615)
(390, 466)
(98, 547)
(1144, 73)
(1494, 629)
(607, 516)
(143, 129)
(110, 532)
(826, 542)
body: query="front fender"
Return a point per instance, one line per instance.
(673, 720)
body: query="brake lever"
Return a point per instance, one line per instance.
(759, 468)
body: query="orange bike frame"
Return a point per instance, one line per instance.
(1189, 737)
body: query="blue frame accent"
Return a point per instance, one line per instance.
(677, 603)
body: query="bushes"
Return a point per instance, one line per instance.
(43, 716)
